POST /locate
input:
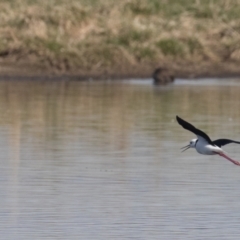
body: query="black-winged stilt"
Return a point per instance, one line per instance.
(204, 145)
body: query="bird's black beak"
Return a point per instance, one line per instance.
(186, 147)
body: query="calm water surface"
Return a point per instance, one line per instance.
(102, 161)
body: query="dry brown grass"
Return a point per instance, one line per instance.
(127, 36)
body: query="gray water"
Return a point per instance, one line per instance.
(102, 160)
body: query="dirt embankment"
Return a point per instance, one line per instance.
(116, 39)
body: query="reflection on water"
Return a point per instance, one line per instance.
(102, 161)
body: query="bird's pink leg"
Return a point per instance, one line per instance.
(229, 159)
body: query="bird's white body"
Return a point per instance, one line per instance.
(208, 149)
(203, 147)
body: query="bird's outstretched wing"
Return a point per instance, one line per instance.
(191, 128)
(222, 142)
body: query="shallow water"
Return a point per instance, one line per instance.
(102, 160)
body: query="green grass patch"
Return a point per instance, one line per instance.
(170, 8)
(170, 47)
(138, 7)
(18, 23)
(130, 36)
(97, 54)
(47, 45)
(231, 14)
(53, 46)
(203, 12)
(193, 45)
(143, 53)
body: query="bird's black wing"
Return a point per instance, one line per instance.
(222, 142)
(191, 128)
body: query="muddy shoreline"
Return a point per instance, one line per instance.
(29, 71)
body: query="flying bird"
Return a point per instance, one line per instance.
(203, 144)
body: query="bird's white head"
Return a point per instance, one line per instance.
(192, 144)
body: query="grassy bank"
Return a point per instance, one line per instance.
(113, 37)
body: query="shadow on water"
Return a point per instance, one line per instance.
(101, 160)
